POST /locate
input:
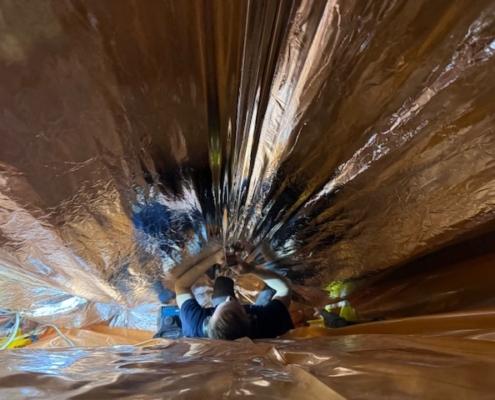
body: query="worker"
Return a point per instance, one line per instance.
(229, 319)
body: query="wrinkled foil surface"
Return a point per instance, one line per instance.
(345, 367)
(350, 136)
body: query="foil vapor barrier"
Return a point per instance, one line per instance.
(349, 137)
(352, 367)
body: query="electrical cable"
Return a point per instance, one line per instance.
(13, 334)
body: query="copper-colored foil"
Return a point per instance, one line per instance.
(350, 138)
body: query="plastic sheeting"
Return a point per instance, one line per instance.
(352, 366)
(349, 140)
(351, 136)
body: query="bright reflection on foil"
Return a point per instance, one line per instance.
(63, 306)
(381, 143)
(50, 363)
(194, 349)
(261, 382)
(244, 392)
(291, 94)
(341, 371)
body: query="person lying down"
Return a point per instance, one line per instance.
(229, 319)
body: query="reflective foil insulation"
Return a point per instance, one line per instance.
(353, 141)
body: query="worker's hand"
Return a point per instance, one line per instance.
(191, 272)
(211, 254)
(219, 257)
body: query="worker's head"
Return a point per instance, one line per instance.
(229, 321)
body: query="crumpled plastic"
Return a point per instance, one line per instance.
(352, 366)
(350, 136)
(438, 356)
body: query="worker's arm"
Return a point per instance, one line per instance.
(190, 262)
(188, 277)
(272, 279)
